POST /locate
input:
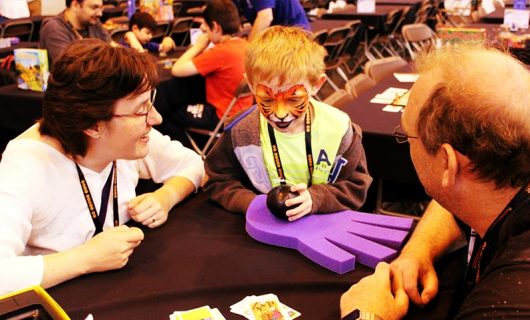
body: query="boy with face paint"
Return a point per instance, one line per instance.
(288, 137)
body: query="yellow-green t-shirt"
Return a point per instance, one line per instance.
(327, 129)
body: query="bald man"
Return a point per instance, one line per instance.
(468, 125)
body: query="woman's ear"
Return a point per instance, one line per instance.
(94, 132)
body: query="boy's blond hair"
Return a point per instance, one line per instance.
(284, 52)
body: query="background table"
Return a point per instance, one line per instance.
(375, 20)
(203, 256)
(386, 158)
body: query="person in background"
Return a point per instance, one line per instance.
(79, 20)
(289, 138)
(13, 9)
(67, 184)
(467, 123)
(141, 28)
(265, 13)
(221, 65)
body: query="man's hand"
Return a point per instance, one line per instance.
(148, 209)
(373, 294)
(111, 248)
(304, 199)
(415, 274)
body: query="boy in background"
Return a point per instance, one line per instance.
(221, 66)
(141, 28)
(318, 150)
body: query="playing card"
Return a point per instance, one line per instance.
(290, 311)
(267, 307)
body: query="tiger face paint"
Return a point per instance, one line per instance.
(283, 107)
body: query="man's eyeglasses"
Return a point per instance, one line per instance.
(400, 136)
(149, 104)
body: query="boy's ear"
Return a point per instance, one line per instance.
(319, 84)
(248, 83)
(217, 27)
(135, 28)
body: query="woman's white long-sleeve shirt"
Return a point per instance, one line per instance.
(42, 207)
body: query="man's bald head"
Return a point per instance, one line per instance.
(479, 102)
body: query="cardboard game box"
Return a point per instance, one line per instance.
(31, 303)
(32, 66)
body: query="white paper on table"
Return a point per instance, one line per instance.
(365, 6)
(398, 91)
(391, 108)
(458, 7)
(516, 19)
(488, 6)
(406, 77)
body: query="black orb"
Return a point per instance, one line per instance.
(276, 200)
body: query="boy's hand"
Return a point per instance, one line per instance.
(167, 45)
(304, 199)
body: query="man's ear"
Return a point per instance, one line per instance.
(452, 165)
(321, 80)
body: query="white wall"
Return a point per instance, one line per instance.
(52, 7)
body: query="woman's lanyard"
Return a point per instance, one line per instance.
(308, 150)
(99, 220)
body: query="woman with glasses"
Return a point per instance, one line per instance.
(67, 184)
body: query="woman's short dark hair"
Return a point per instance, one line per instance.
(225, 13)
(85, 83)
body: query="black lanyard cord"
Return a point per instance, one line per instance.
(99, 220)
(308, 150)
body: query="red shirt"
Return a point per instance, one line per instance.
(223, 68)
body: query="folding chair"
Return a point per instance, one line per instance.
(320, 36)
(359, 84)
(118, 34)
(335, 43)
(161, 31)
(242, 91)
(21, 28)
(418, 37)
(381, 68)
(180, 31)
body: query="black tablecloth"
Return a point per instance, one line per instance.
(375, 20)
(203, 256)
(386, 158)
(327, 24)
(4, 52)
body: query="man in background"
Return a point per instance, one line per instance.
(79, 20)
(265, 13)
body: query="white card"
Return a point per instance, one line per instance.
(391, 108)
(516, 19)
(365, 6)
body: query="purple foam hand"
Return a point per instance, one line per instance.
(335, 240)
